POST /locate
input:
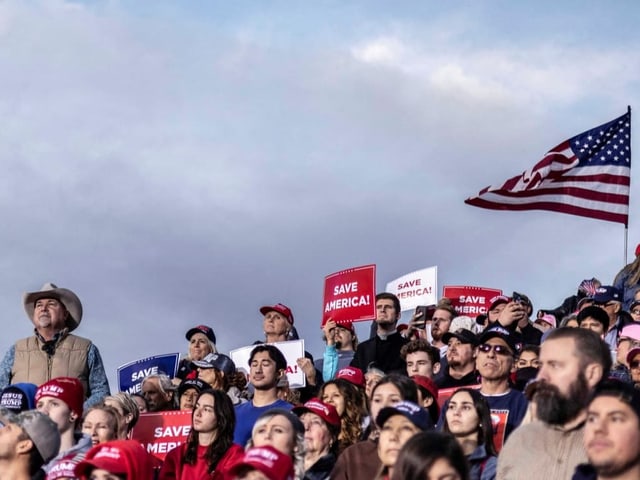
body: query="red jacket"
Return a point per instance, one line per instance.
(173, 464)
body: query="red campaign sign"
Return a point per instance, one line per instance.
(445, 394)
(160, 432)
(470, 301)
(499, 423)
(350, 295)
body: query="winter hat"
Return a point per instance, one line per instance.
(67, 389)
(19, 397)
(118, 457)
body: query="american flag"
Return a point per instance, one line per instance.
(587, 175)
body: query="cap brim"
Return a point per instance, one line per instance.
(103, 463)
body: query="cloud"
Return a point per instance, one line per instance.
(186, 172)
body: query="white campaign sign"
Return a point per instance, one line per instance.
(292, 351)
(416, 288)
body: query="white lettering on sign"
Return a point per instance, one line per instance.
(175, 431)
(411, 283)
(139, 375)
(339, 303)
(345, 288)
(471, 299)
(414, 293)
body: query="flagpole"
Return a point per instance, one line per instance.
(626, 225)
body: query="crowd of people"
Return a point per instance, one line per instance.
(508, 395)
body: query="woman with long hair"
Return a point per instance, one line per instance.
(430, 456)
(282, 430)
(350, 403)
(468, 419)
(209, 452)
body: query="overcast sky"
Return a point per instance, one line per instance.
(178, 163)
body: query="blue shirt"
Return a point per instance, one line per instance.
(246, 416)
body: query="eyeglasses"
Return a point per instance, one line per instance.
(636, 311)
(635, 364)
(633, 341)
(498, 349)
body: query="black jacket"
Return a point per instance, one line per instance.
(385, 353)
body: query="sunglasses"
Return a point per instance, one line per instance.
(603, 304)
(498, 349)
(635, 364)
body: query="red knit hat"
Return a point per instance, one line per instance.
(118, 457)
(67, 389)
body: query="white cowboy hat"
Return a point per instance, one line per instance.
(69, 299)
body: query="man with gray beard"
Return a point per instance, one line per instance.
(572, 363)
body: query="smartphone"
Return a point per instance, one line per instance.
(518, 298)
(427, 314)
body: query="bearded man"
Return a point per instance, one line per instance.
(572, 363)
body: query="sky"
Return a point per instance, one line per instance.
(184, 163)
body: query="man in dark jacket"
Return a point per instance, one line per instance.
(384, 348)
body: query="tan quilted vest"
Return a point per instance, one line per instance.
(32, 364)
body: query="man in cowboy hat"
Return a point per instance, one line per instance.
(53, 351)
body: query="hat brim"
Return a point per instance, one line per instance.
(388, 412)
(632, 353)
(65, 296)
(201, 364)
(268, 308)
(449, 335)
(192, 331)
(302, 409)
(110, 465)
(489, 335)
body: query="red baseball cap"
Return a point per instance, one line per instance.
(498, 300)
(430, 386)
(352, 375)
(281, 309)
(326, 412)
(347, 325)
(271, 462)
(118, 457)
